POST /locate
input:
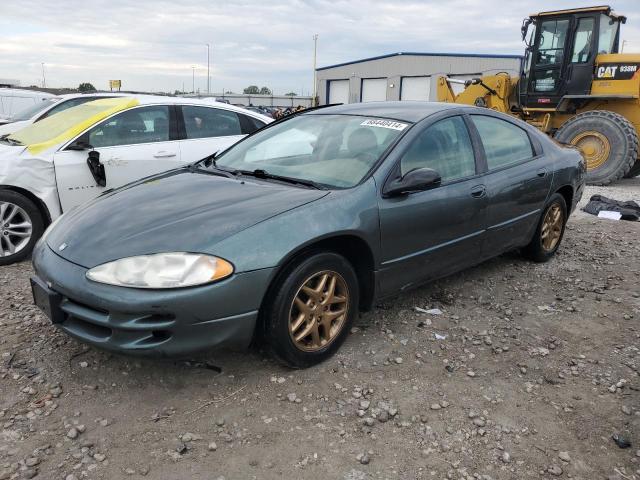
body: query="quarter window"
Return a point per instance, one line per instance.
(504, 143)
(138, 125)
(250, 124)
(444, 147)
(206, 122)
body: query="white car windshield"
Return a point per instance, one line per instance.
(330, 150)
(65, 125)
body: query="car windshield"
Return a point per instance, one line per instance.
(65, 125)
(331, 150)
(29, 112)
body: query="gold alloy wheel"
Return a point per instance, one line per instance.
(552, 227)
(319, 311)
(595, 148)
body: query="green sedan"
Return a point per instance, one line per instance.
(290, 233)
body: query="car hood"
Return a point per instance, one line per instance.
(179, 211)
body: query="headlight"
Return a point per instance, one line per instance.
(162, 270)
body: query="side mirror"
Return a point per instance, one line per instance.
(97, 168)
(417, 180)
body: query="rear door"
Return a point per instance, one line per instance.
(517, 182)
(428, 234)
(206, 130)
(132, 144)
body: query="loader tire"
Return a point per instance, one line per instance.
(607, 140)
(635, 170)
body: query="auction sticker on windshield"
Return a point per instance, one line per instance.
(385, 124)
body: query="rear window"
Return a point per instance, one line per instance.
(207, 122)
(504, 143)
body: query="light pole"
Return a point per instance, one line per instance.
(193, 79)
(44, 81)
(315, 81)
(208, 75)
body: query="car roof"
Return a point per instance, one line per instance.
(407, 111)
(146, 99)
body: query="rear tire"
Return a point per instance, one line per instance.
(21, 225)
(303, 321)
(607, 140)
(549, 233)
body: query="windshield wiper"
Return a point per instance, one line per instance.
(10, 141)
(263, 174)
(209, 164)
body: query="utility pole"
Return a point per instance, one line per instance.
(315, 80)
(193, 79)
(44, 81)
(208, 66)
(623, 44)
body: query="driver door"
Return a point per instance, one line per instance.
(132, 144)
(428, 234)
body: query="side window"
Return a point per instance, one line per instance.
(607, 34)
(503, 142)
(206, 122)
(138, 125)
(553, 34)
(445, 147)
(250, 124)
(582, 44)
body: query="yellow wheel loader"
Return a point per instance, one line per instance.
(573, 85)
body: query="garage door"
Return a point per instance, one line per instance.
(416, 88)
(374, 89)
(338, 91)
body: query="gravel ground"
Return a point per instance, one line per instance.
(528, 372)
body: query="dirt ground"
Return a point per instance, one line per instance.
(528, 372)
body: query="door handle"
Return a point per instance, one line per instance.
(478, 191)
(542, 172)
(164, 154)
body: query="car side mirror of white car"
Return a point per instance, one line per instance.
(97, 168)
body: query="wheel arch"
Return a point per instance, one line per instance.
(42, 207)
(567, 193)
(354, 248)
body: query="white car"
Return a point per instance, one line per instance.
(50, 106)
(73, 156)
(14, 100)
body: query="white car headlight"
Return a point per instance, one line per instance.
(162, 270)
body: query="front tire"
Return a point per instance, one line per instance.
(312, 309)
(550, 230)
(607, 140)
(21, 225)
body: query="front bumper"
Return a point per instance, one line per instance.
(174, 322)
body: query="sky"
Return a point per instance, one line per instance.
(155, 45)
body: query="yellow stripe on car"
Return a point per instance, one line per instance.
(65, 125)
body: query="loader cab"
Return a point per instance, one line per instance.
(562, 47)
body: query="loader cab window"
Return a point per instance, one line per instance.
(553, 35)
(583, 41)
(608, 35)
